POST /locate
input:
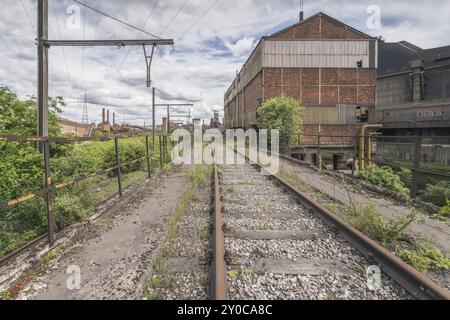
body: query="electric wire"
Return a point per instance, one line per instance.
(29, 18)
(174, 17)
(60, 37)
(116, 19)
(197, 20)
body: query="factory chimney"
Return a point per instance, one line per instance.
(114, 118)
(107, 116)
(417, 80)
(103, 115)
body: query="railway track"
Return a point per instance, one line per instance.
(278, 244)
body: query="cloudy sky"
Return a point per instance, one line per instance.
(213, 40)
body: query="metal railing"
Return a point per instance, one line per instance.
(414, 146)
(49, 187)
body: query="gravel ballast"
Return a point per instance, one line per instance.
(323, 266)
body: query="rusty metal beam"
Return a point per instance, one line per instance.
(219, 290)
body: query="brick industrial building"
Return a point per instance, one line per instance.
(327, 65)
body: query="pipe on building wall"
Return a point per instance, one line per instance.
(362, 134)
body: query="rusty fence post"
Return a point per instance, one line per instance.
(319, 157)
(416, 166)
(354, 157)
(148, 157)
(160, 154)
(48, 186)
(165, 149)
(119, 169)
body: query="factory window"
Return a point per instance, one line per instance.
(442, 112)
(420, 114)
(426, 113)
(387, 114)
(434, 113)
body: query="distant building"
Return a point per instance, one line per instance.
(327, 65)
(76, 128)
(215, 121)
(413, 89)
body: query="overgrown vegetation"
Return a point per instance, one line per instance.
(424, 257)
(384, 177)
(438, 194)
(392, 234)
(162, 277)
(370, 221)
(22, 172)
(282, 113)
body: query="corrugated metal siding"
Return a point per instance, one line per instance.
(347, 114)
(342, 114)
(315, 54)
(253, 66)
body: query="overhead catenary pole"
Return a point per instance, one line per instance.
(42, 52)
(153, 120)
(43, 44)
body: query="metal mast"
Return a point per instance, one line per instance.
(85, 118)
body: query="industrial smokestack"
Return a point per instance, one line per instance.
(417, 80)
(301, 11)
(107, 116)
(103, 115)
(114, 118)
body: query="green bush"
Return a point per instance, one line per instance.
(22, 172)
(369, 220)
(424, 258)
(445, 209)
(384, 177)
(68, 209)
(282, 113)
(437, 194)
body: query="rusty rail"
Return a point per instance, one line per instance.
(219, 289)
(416, 283)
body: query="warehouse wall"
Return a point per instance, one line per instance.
(319, 69)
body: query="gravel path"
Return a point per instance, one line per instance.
(275, 249)
(186, 271)
(116, 255)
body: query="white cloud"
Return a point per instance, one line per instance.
(241, 46)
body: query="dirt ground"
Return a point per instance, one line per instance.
(115, 259)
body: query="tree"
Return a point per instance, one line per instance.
(282, 113)
(20, 163)
(19, 117)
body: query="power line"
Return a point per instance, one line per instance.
(60, 36)
(116, 19)
(137, 36)
(198, 19)
(128, 51)
(174, 17)
(29, 18)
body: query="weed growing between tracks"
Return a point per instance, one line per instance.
(392, 234)
(163, 277)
